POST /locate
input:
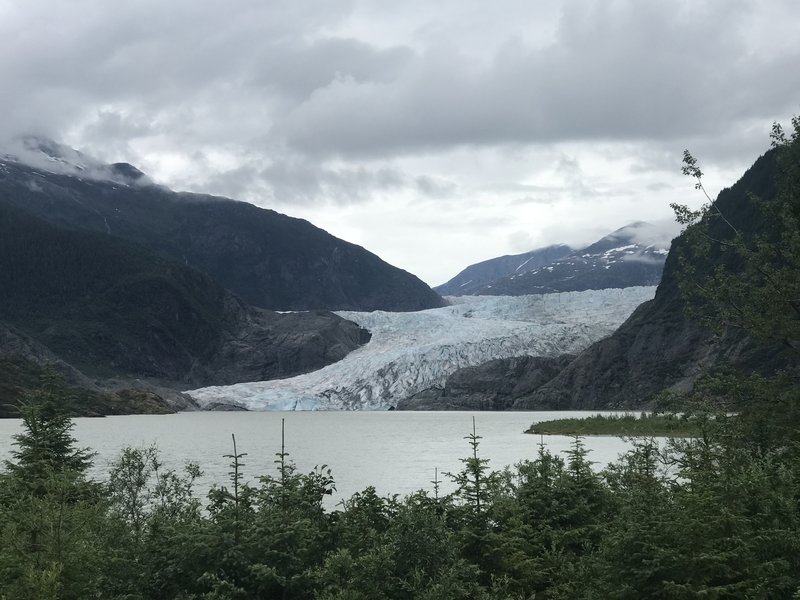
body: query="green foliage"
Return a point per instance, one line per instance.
(742, 272)
(475, 483)
(660, 425)
(50, 516)
(702, 517)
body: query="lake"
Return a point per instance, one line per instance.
(396, 452)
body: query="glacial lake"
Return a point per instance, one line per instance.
(397, 452)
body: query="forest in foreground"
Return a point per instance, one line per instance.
(713, 516)
(716, 515)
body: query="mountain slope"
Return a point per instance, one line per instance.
(110, 308)
(633, 255)
(659, 347)
(268, 259)
(476, 276)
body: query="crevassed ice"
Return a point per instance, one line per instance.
(413, 351)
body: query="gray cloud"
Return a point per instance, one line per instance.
(624, 70)
(64, 60)
(45, 155)
(277, 71)
(659, 233)
(300, 181)
(658, 186)
(297, 70)
(348, 103)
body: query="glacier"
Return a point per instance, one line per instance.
(412, 351)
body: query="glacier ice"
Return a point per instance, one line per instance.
(413, 351)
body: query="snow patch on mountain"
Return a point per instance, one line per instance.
(413, 351)
(48, 156)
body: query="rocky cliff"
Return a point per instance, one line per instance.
(494, 385)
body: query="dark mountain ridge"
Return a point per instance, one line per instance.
(98, 307)
(268, 259)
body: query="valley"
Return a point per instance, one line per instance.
(227, 371)
(126, 287)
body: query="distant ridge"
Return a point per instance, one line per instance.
(474, 277)
(631, 256)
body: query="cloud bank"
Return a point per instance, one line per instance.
(335, 110)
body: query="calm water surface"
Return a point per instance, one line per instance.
(396, 452)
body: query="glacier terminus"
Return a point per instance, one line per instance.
(412, 351)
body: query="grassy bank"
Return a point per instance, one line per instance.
(623, 425)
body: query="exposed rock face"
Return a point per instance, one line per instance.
(24, 363)
(494, 385)
(268, 259)
(16, 344)
(265, 345)
(659, 347)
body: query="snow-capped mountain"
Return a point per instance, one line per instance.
(631, 256)
(51, 157)
(410, 352)
(476, 276)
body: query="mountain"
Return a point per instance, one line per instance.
(633, 255)
(660, 347)
(410, 352)
(268, 259)
(97, 307)
(477, 276)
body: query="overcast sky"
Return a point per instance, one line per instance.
(434, 133)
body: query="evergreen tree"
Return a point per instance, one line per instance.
(478, 492)
(46, 445)
(50, 515)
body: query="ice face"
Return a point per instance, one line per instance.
(410, 352)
